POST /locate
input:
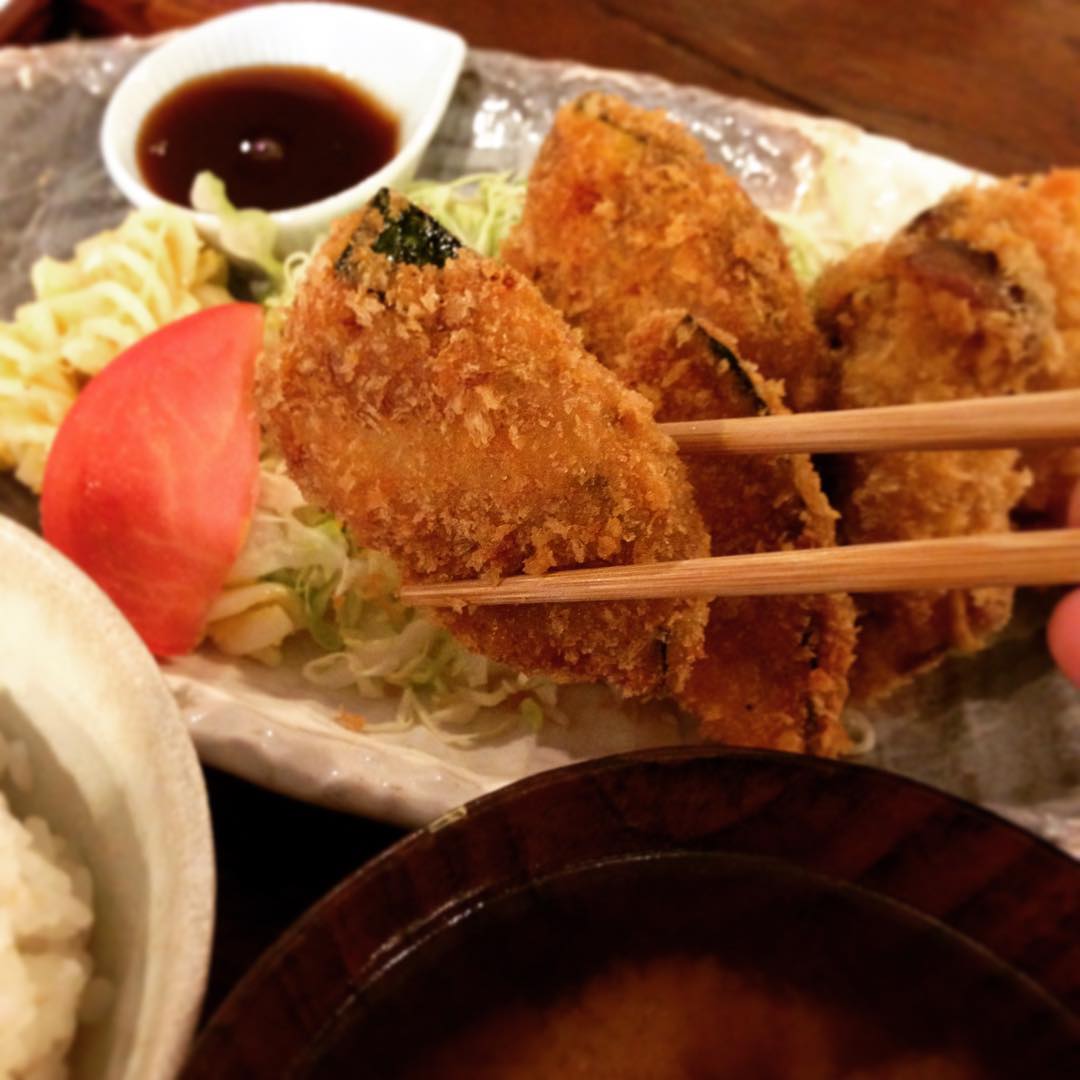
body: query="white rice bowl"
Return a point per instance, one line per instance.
(84, 712)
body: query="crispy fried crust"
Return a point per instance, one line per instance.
(927, 318)
(1031, 225)
(625, 216)
(775, 669)
(452, 419)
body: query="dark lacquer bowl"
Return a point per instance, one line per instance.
(680, 913)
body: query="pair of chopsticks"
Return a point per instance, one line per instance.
(1050, 557)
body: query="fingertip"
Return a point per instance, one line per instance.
(1063, 636)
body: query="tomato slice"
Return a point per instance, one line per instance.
(151, 482)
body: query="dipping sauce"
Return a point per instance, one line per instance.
(279, 136)
(696, 968)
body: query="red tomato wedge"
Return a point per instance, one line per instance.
(151, 482)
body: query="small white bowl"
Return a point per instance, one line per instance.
(115, 774)
(409, 66)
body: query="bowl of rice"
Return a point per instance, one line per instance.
(106, 856)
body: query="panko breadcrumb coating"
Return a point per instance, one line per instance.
(928, 318)
(433, 401)
(1031, 226)
(624, 216)
(774, 673)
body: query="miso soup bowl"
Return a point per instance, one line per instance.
(926, 911)
(408, 66)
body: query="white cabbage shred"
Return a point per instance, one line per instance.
(300, 574)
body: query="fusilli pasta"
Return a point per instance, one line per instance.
(119, 286)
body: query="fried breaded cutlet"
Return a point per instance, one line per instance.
(624, 216)
(432, 400)
(774, 673)
(928, 318)
(1031, 226)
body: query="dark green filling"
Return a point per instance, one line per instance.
(412, 237)
(746, 384)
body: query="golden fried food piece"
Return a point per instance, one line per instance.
(624, 217)
(1031, 226)
(432, 400)
(774, 673)
(927, 318)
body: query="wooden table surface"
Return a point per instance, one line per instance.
(991, 83)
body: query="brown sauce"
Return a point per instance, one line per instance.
(278, 136)
(696, 968)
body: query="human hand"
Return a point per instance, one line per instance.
(1063, 633)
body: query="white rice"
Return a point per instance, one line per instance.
(45, 921)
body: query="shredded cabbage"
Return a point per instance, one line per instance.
(821, 228)
(246, 236)
(479, 209)
(300, 573)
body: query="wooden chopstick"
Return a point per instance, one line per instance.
(963, 562)
(1051, 557)
(1024, 420)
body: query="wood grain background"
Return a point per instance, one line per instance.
(991, 83)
